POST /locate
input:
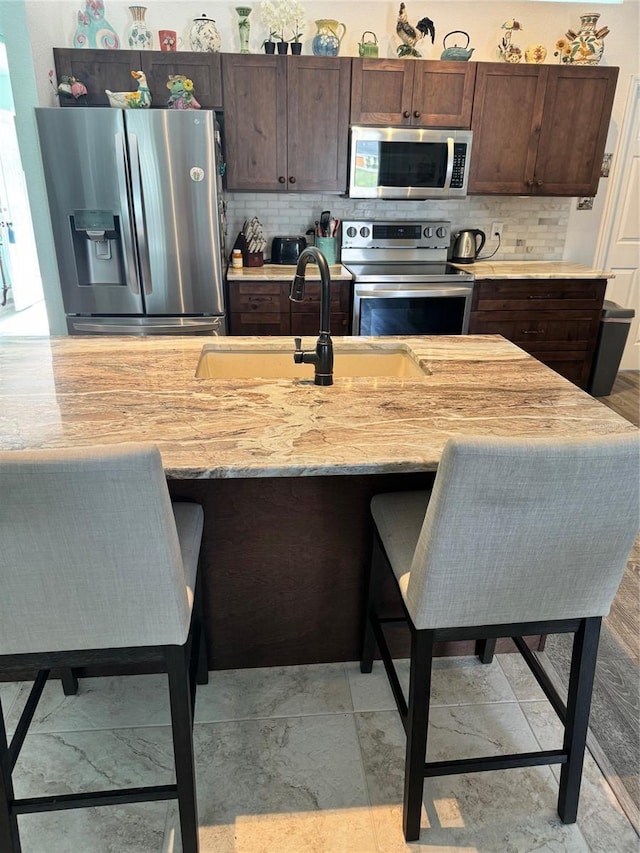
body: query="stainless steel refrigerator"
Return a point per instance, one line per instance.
(138, 218)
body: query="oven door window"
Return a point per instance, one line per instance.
(442, 315)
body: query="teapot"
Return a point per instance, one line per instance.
(460, 54)
(368, 49)
(326, 41)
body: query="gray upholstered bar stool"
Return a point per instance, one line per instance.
(98, 568)
(517, 538)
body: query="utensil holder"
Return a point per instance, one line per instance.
(329, 248)
(253, 259)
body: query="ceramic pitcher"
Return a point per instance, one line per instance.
(326, 41)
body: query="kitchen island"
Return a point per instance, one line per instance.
(284, 469)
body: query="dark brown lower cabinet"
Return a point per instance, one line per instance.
(555, 320)
(264, 308)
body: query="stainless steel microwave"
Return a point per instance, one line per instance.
(408, 162)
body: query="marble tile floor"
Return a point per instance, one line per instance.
(307, 759)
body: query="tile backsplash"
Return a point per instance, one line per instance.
(534, 228)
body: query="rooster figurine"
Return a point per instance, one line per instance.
(410, 35)
(131, 100)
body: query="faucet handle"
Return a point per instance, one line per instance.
(298, 355)
(298, 343)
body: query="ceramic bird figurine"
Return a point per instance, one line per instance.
(182, 97)
(410, 35)
(131, 100)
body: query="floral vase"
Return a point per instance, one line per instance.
(139, 36)
(587, 44)
(244, 27)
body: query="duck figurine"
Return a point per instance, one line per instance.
(131, 100)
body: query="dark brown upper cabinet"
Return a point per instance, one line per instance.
(424, 93)
(540, 129)
(286, 122)
(111, 69)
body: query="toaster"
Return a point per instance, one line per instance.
(286, 250)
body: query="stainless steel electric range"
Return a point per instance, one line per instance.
(403, 284)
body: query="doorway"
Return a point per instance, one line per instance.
(21, 299)
(619, 242)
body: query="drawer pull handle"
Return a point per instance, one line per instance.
(544, 296)
(532, 331)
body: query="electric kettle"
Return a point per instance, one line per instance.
(465, 246)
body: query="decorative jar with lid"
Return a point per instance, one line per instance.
(204, 35)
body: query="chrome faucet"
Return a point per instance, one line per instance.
(322, 357)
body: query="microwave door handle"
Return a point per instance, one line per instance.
(138, 213)
(133, 281)
(449, 173)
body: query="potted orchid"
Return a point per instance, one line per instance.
(280, 16)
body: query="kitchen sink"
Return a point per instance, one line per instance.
(218, 363)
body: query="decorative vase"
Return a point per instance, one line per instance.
(587, 44)
(139, 36)
(326, 41)
(244, 27)
(93, 29)
(204, 35)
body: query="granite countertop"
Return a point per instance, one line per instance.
(532, 269)
(66, 392)
(278, 272)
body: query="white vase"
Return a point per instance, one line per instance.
(139, 36)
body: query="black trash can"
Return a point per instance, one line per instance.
(612, 336)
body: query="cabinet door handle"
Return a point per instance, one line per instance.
(406, 114)
(282, 179)
(292, 179)
(538, 182)
(416, 114)
(529, 183)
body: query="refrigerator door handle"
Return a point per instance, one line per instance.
(138, 213)
(114, 328)
(133, 281)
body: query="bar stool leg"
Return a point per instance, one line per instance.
(374, 592)
(583, 668)
(417, 724)
(485, 650)
(182, 729)
(69, 681)
(9, 836)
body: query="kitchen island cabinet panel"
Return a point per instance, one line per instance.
(539, 129)
(414, 94)
(286, 122)
(556, 320)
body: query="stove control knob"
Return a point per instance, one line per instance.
(365, 231)
(441, 232)
(428, 231)
(351, 231)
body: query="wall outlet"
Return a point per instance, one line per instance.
(496, 230)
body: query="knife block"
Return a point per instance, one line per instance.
(253, 259)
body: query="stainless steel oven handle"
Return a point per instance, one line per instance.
(418, 292)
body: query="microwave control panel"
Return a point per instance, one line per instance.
(370, 234)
